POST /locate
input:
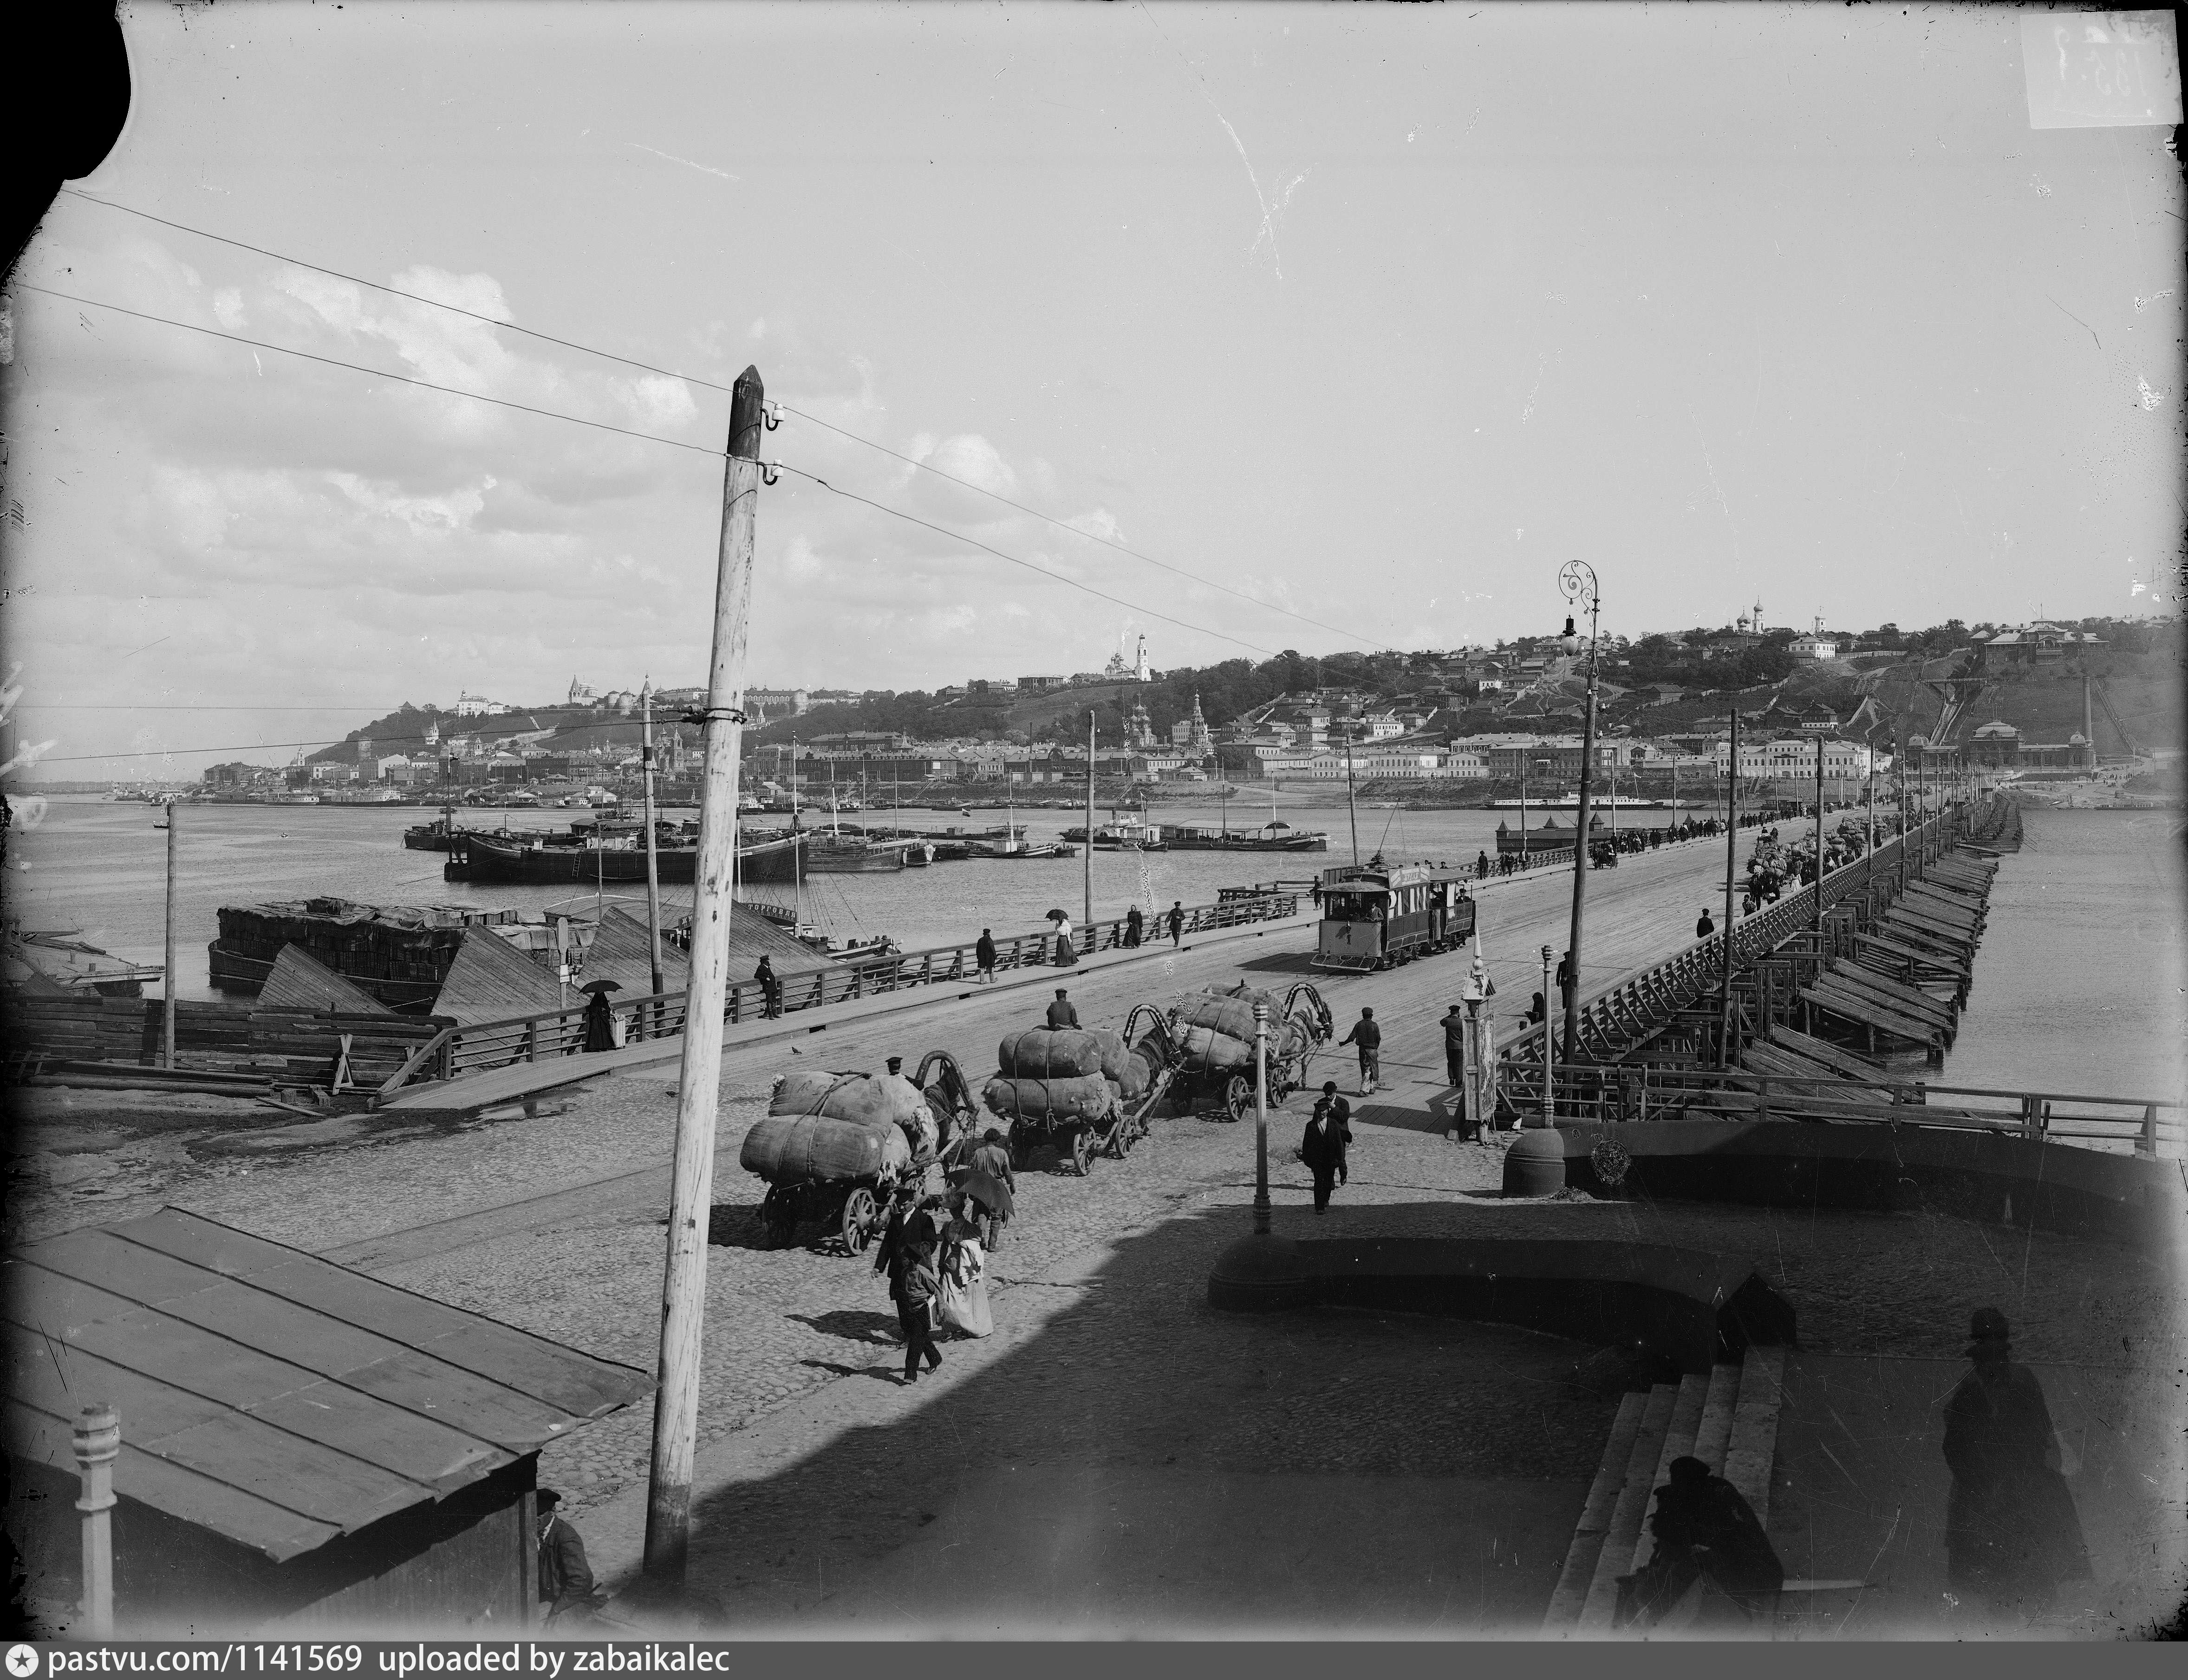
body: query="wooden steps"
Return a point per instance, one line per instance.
(1728, 1419)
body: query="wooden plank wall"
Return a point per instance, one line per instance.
(210, 1037)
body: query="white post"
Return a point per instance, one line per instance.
(684, 1281)
(97, 1444)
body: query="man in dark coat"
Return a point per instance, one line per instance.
(565, 1579)
(1322, 1149)
(1705, 926)
(1061, 1013)
(2011, 1533)
(983, 957)
(1134, 923)
(1176, 920)
(1368, 1037)
(992, 1184)
(1454, 1044)
(1706, 1530)
(770, 989)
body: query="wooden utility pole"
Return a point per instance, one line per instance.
(652, 861)
(167, 976)
(1731, 868)
(684, 1280)
(1351, 810)
(1087, 920)
(1819, 851)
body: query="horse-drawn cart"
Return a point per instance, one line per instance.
(1211, 1045)
(835, 1149)
(1064, 1089)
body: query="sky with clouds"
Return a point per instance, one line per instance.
(1372, 318)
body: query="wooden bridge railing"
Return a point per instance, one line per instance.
(1624, 1092)
(561, 1032)
(1637, 1008)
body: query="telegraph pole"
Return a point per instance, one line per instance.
(684, 1280)
(652, 861)
(1349, 807)
(1731, 869)
(167, 980)
(1087, 920)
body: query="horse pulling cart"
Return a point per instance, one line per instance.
(836, 1149)
(1208, 1045)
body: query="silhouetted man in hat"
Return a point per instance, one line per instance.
(2011, 1533)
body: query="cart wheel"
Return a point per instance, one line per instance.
(779, 1215)
(1082, 1155)
(1238, 1097)
(1120, 1138)
(858, 1224)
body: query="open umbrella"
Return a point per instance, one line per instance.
(601, 986)
(1058, 915)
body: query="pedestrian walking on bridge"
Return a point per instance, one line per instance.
(770, 989)
(1134, 925)
(1704, 927)
(983, 957)
(1368, 1038)
(1061, 1013)
(1176, 919)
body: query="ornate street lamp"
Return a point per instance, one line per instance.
(1577, 581)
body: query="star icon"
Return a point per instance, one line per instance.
(22, 1661)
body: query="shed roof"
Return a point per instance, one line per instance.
(492, 980)
(300, 981)
(268, 1395)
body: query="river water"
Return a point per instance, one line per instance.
(2081, 982)
(2078, 985)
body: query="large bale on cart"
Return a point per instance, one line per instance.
(1086, 1096)
(1046, 1053)
(1136, 1076)
(1208, 1051)
(1230, 1018)
(801, 1148)
(867, 1099)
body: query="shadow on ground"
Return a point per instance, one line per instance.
(1140, 1461)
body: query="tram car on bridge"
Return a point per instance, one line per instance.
(1377, 917)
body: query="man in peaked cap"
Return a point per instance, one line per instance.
(565, 1579)
(2011, 1533)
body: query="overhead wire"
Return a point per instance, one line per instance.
(1064, 525)
(1053, 576)
(712, 384)
(377, 372)
(356, 366)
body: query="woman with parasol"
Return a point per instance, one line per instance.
(1066, 956)
(599, 1018)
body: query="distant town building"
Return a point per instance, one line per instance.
(1815, 644)
(1790, 758)
(2040, 642)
